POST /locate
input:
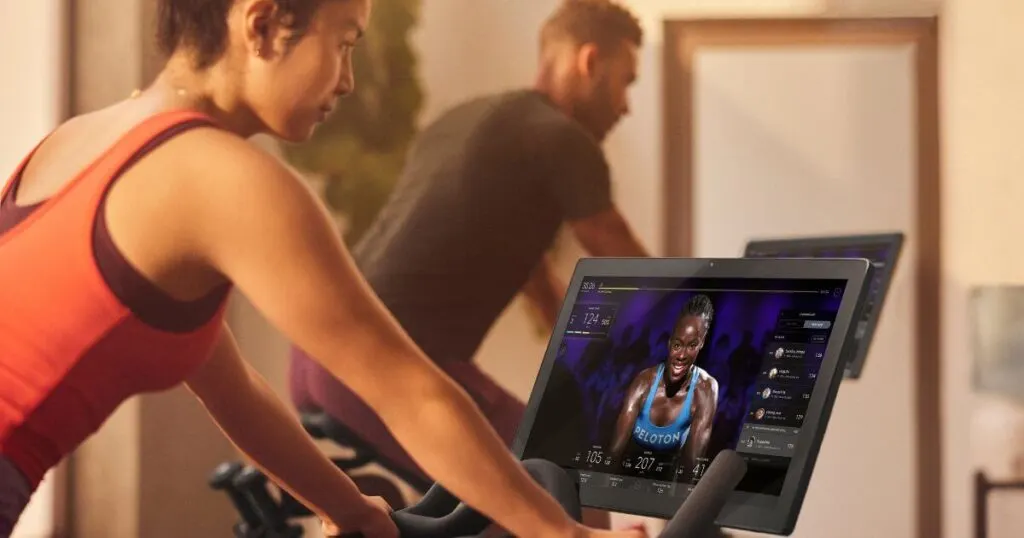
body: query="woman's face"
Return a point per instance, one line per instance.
(292, 86)
(683, 347)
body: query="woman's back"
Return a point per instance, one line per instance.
(85, 326)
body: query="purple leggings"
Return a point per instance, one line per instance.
(14, 495)
(312, 386)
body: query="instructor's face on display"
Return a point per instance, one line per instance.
(683, 347)
(601, 98)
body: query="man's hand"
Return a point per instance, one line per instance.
(374, 521)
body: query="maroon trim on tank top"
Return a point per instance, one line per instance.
(145, 299)
(10, 213)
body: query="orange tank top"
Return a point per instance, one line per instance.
(71, 350)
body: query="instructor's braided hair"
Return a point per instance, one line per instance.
(700, 306)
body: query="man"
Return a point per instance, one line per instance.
(485, 189)
(670, 408)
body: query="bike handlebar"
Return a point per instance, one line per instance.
(440, 515)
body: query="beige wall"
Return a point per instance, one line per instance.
(982, 79)
(31, 96)
(795, 129)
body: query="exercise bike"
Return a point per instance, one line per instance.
(439, 514)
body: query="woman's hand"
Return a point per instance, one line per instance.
(372, 521)
(233, 393)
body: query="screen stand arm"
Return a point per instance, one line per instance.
(696, 517)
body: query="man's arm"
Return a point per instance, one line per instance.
(545, 293)
(700, 430)
(607, 234)
(580, 182)
(245, 408)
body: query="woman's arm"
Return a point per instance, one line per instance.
(259, 225)
(245, 408)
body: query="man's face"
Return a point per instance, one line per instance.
(683, 347)
(602, 99)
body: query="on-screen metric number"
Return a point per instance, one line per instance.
(698, 469)
(644, 464)
(591, 320)
(594, 457)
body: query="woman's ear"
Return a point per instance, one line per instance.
(261, 25)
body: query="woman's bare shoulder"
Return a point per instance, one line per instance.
(209, 162)
(213, 150)
(706, 381)
(219, 190)
(645, 378)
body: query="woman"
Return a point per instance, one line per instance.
(123, 231)
(669, 409)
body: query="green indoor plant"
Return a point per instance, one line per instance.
(359, 151)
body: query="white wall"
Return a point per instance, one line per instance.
(800, 140)
(31, 104)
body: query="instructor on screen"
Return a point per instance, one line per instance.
(670, 408)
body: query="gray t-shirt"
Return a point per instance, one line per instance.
(484, 191)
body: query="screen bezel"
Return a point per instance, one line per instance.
(858, 352)
(746, 511)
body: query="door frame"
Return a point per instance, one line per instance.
(682, 40)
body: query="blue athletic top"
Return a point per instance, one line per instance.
(664, 438)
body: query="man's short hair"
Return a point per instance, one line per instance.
(605, 23)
